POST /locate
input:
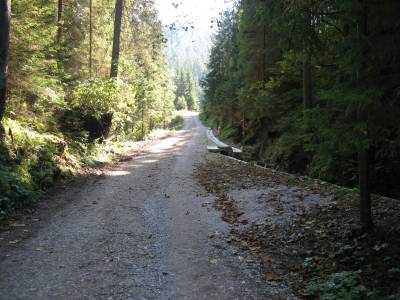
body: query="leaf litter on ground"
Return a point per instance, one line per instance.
(304, 230)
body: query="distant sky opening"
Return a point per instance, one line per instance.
(195, 22)
(197, 13)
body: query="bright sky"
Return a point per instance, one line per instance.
(198, 13)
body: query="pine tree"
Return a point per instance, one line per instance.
(119, 5)
(5, 8)
(190, 93)
(303, 81)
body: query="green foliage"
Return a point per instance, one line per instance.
(343, 285)
(32, 46)
(228, 133)
(176, 123)
(61, 113)
(50, 77)
(180, 103)
(97, 97)
(186, 92)
(29, 163)
(255, 85)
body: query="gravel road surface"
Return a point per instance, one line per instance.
(143, 230)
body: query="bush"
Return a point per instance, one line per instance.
(103, 106)
(343, 285)
(96, 97)
(176, 123)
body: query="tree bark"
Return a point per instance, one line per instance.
(307, 80)
(264, 53)
(119, 4)
(5, 15)
(365, 194)
(90, 38)
(363, 153)
(59, 34)
(59, 21)
(142, 133)
(307, 75)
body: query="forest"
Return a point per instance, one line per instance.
(186, 91)
(131, 168)
(81, 75)
(312, 87)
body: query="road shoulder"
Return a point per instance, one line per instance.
(303, 231)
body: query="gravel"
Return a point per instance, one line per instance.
(145, 229)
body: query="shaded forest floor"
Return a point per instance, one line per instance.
(305, 232)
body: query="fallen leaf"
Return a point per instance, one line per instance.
(213, 261)
(272, 277)
(271, 282)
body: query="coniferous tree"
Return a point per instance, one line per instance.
(90, 38)
(186, 91)
(60, 9)
(180, 88)
(274, 60)
(119, 5)
(307, 73)
(59, 88)
(191, 95)
(5, 9)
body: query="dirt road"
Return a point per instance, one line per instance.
(145, 230)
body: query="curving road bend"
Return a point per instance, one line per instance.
(145, 230)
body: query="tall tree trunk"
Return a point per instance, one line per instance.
(90, 38)
(59, 21)
(264, 53)
(119, 4)
(142, 133)
(59, 36)
(307, 80)
(363, 153)
(5, 15)
(307, 76)
(365, 193)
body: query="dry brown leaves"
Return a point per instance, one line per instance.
(327, 235)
